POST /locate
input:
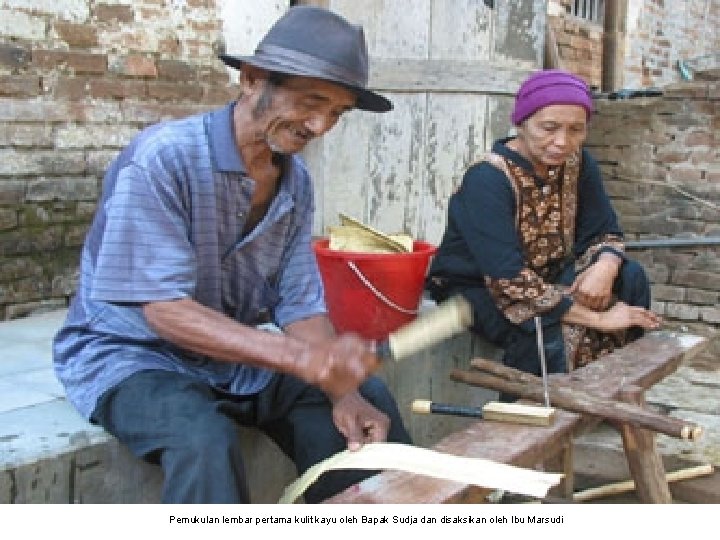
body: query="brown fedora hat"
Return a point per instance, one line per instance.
(313, 42)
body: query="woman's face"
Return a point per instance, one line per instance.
(552, 134)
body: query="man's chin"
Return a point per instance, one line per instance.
(287, 148)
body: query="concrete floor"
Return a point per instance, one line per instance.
(35, 420)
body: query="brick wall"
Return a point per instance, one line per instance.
(579, 43)
(661, 32)
(78, 78)
(646, 42)
(645, 147)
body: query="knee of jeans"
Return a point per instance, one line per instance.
(211, 435)
(636, 278)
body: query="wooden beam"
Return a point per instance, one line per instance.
(575, 400)
(447, 76)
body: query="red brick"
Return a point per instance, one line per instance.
(110, 13)
(219, 95)
(88, 62)
(79, 62)
(208, 4)
(152, 14)
(146, 113)
(138, 66)
(686, 90)
(169, 45)
(72, 88)
(20, 85)
(209, 75)
(117, 88)
(670, 155)
(175, 91)
(699, 138)
(205, 27)
(175, 70)
(77, 35)
(682, 174)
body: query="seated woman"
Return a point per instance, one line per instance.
(531, 233)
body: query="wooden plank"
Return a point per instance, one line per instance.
(445, 75)
(453, 141)
(645, 361)
(392, 29)
(461, 29)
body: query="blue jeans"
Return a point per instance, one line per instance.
(191, 430)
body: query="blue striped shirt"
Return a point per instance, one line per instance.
(169, 225)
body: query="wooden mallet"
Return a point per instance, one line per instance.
(431, 327)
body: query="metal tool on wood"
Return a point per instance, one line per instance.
(543, 363)
(513, 413)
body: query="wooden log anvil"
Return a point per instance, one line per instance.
(565, 395)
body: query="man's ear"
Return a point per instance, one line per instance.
(252, 79)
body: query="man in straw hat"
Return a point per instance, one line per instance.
(532, 238)
(203, 234)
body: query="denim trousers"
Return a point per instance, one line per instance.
(520, 347)
(191, 430)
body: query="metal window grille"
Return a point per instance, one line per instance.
(590, 10)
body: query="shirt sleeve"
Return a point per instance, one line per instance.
(484, 210)
(145, 253)
(597, 228)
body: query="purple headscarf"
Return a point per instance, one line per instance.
(550, 87)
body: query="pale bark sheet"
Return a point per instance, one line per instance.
(422, 461)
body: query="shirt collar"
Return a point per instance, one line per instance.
(500, 147)
(222, 141)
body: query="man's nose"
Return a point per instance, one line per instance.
(319, 123)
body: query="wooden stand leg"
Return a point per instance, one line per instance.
(646, 467)
(563, 462)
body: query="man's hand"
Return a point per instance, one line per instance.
(593, 287)
(358, 421)
(337, 365)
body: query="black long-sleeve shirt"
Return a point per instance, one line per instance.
(483, 242)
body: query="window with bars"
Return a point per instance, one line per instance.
(590, 10)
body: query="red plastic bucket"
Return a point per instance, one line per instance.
(372, 294)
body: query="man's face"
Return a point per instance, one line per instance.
(552, 134)
(299, 109)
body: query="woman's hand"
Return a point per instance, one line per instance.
(593, 287)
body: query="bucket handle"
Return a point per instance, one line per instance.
(377, 293)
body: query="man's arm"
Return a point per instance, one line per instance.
(354, 417)
(336, 365)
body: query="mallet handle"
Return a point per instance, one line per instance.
(424, 406)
